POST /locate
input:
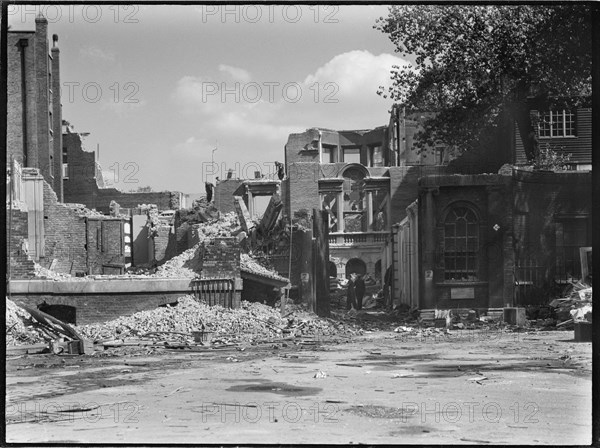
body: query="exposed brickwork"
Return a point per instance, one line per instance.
(303, 186)
(221, 258)
(65, 234)
(165, 244)
(82, 185)
(57, 122)
(224, 191)
(21, 266)
(182, 234)
(94, 308)
(42, 102)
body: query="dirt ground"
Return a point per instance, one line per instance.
(468, 387)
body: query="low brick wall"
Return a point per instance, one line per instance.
(100, 300)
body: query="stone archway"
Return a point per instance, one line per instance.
(355, 265)
(332, 269)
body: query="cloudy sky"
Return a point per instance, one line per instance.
(159, 87)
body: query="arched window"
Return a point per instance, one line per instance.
(461, 245)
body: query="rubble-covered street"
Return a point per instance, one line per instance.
(379, 387)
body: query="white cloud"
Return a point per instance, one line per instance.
(357, 74)
(236, 73)
(256, 129)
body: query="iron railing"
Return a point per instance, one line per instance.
(216, 291)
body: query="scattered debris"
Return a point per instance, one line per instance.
(576, 306)
(252, 323)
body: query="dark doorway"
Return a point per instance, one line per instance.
(332, 269)
(65, 313)
(356, 265)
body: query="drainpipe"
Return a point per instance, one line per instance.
(22, 44)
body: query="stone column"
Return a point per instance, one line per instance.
(340, 206)
(33, 189)
(428, 248)
(369, 211)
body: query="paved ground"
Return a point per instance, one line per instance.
(384, 387)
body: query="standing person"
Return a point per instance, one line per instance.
(351, 294)
(387, 287)
(360, 288)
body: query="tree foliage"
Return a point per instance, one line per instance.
(477, 65)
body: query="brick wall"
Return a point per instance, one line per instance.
(57, 123)
(224, 191)
(65, 235)
(94, 308)
(165, 244)
(82, 188)
(221, 258)
(35, 149)
(21, 266)
(303, 186)
(182, 233)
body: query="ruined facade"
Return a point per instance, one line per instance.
(83, 182)
(365, 179)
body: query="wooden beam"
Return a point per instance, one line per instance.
(243, 214)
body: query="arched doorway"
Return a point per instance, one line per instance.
(355, 265)
(332, 269)
(378, 269)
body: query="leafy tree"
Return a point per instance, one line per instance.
(549, 158)
(479, 66)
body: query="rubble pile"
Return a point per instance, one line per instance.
(250, 323)
(185, 265)
(20, 329)
(576, 306)
(223, 227)
(82, 210)
(46, 274)
(188, 263)
(251, 265)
